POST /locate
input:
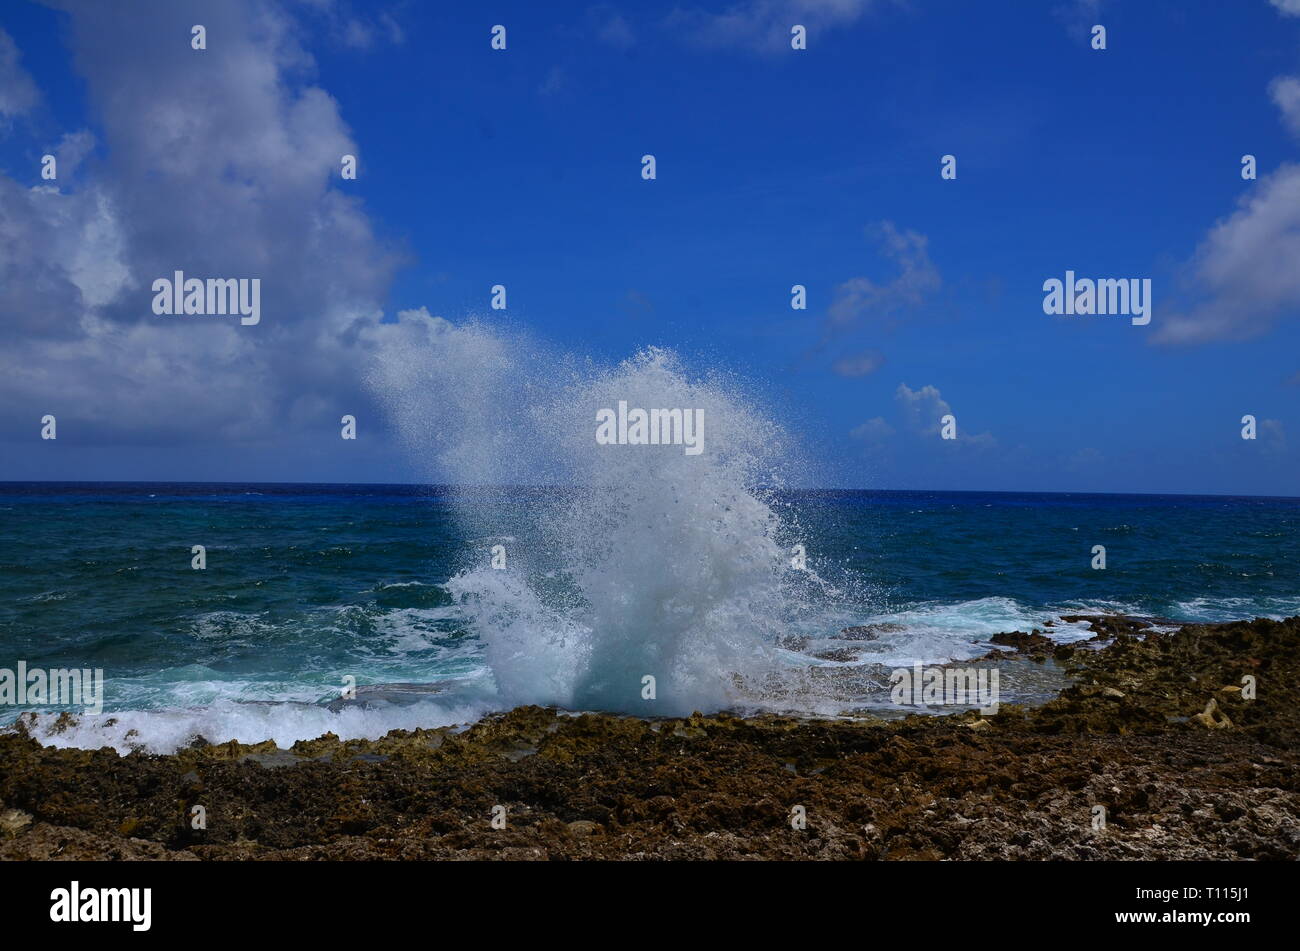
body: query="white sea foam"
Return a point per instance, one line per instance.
(536, 646)
(165, 731)
(1216, 610)
(648, 562)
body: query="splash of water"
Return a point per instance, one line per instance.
(641, 560)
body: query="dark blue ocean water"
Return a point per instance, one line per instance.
(305, 584)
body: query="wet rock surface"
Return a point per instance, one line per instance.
(1130, 735)
(1035, 645)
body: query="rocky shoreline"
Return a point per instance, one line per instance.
(1154, 729)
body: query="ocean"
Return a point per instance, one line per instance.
(442, 605)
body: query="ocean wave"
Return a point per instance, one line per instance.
(825, 662)
(47, 596)
(165, 731)
(230, 625)
(1217, 610)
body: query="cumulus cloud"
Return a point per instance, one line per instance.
(1285, 91)
(221, 163)
(922, 409)
(61, 256)
(1244, 270)
(1243, 274)
(918, 414)
(763, 25)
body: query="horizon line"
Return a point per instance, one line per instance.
(445, 485)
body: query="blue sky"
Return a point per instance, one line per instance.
(775, 167)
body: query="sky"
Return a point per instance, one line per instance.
(774, 167)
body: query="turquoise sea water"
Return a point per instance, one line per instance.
(307, 585)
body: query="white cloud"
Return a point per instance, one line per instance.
(764, 25)
(860, 297)
(611, 27)
(922, 409)
(358, 34)
(874, 430)
(1285, 91)
(1243, 272)
(1079, 17)
(1245, 268)
(17, 91)
(356, 31)
(221, 164)
(72, 151)
(862, 364)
